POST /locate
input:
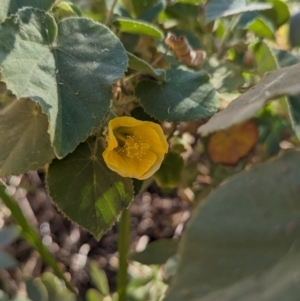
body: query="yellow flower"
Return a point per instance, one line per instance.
(135, 148)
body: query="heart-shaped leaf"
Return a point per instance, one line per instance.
(184, 96)
(25, 143)
(87, 191)
(68, 68)
(9, 7)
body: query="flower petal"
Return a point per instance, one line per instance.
(135, 148)
(127, 167)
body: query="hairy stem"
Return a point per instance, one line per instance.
(123, 247)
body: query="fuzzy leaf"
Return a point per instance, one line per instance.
(9, 7)
(184, 96)
(276, 284)
(25, 143)
(68, 68)
(87, 191)
(234, 234)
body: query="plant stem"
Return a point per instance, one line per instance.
(233, 22)
(31, 236)
(111, 12)
(123, 247)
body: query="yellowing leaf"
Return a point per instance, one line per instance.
(229, 146)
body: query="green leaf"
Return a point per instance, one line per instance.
(184, 96)
(25, 143)
(55, 289)
(9, 7)
(87, 191)
(139, 113)
(137, 186)
(99, 278)
(151, 14)
(279, 13)
(247, 18)
(216, 9)
(195, 2)
(137, 7)
(275, 84)
(157, 252)
(225, 77)
(294, 109)
(32, 237)
(294, 36)
(6, 261)
(138, 64)
(93, 295)
(239, 229)
(261, 28)
(285, 58)
(8, 235)
(276, 284)
(184, 11)
(36, 290)
(264, 57)
(170, 172)
(65, 10)
(139, 27)
(68, 68)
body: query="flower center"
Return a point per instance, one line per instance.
(134, 147)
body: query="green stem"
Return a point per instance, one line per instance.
(30, 234)
(111, 12)
(123, 248)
